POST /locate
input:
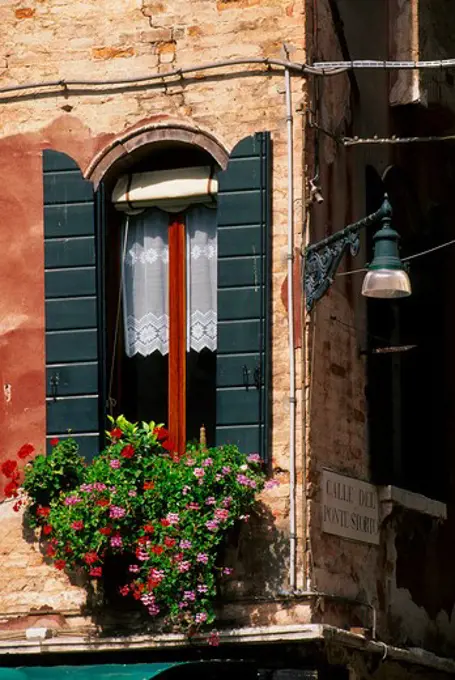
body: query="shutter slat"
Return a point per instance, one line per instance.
(72, 385)
(63, 282)
(231, 246)
(239, 303)
(54, 160)
(78, 378)
(78, 414)
(250, 146)
(79, 221)
(237, 406)
(239, 208)
(236, 271)
(247, 437)
(71, 346)
(238, 336)
(70, 314)
(66, 187)
(69, 252)
(243, 297)
(231, 369)
(245, 175)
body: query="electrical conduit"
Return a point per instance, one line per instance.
(290, 277)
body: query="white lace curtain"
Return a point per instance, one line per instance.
(145, 266)
(201, 272)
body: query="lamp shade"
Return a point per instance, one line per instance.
(386, 276)
(386, 283)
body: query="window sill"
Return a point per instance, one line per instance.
(391, 496)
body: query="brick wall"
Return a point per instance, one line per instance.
(335, 371)
(405, 578)
(105, 39)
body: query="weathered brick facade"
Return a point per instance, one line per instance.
(102, 41)
(386, 576)
(53, 40)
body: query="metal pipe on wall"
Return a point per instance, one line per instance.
(290, 290)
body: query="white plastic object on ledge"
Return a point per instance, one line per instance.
(37, 633)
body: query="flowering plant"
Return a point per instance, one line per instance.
(161, 515)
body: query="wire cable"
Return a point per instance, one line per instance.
(427, 252)
(354, 141)
(117, 320)
(322, 68)
(408, 258)
(351, 271)
(65, 85)
(384, 64)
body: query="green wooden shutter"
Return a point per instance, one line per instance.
(72, 342)
(243, 354)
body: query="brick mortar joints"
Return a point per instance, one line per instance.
(145, 11)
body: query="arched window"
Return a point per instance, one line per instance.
(161, 300)
(157, 300)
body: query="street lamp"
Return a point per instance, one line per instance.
(386, 276)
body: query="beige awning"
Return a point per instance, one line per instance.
(171, 190)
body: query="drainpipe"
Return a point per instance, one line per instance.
(292, 397)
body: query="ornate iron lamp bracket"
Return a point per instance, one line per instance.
(321, 260)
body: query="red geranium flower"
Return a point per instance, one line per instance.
(149, 528)
(25, 451)
(9, 468)
(91, 557)
(142, 540)
(168, 445)
(128, 451)
(137, 589)
(106, 531)
(169, 542)
(148, 486)
(47, 529)
(153, 583)
(116, 433)
(77, 525)
(51, 551)
(96, 571)
(161, 433)
(60, 564)
(157, 549)
(17, 506)
(54, 441)
(11, 489)
(165, 523)
(124, 590)
(102, 502)
(43, 511)
(214, 639)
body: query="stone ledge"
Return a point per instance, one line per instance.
(390, 496)
(331, 636)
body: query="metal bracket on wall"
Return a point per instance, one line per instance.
(321, 263)
(321, 260)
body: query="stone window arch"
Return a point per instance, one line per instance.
(128, 149)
